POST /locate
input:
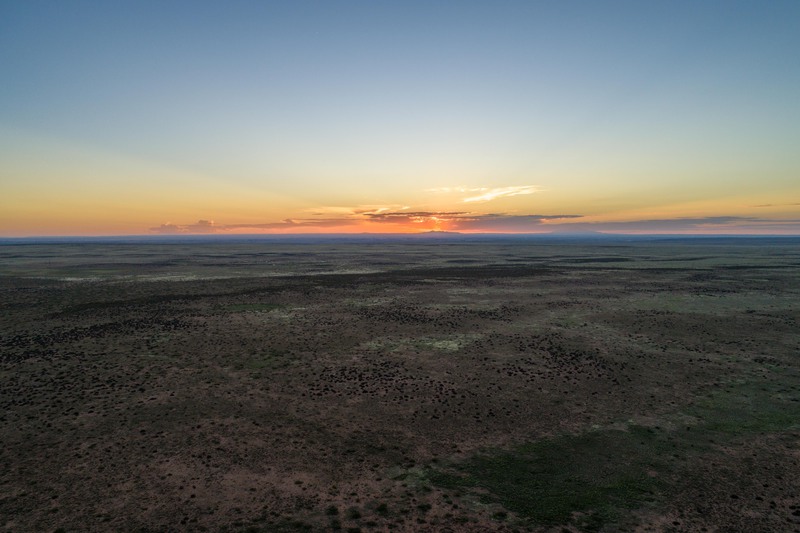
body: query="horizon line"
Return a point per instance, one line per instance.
(443, 234)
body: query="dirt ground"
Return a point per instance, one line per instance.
(403, 386)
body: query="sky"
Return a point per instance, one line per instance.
(140, 117)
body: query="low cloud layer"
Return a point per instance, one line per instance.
(375, 220)
(205, 226)
(699, 225)
(795, 204)
(382, 220)
(466, 221)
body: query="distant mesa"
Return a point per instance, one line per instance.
(577, 232)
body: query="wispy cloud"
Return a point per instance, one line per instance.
(778, 205)
(488, 195)
(485, 194)
(354, 210)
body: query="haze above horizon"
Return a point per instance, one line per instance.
(473, 117)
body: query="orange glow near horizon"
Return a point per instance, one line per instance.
(75, 191)
(383, 221)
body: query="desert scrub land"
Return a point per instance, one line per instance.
(510, 385)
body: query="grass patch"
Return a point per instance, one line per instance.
(269, 360)
(252, 308)
(746, 408)
(550, 482)
(452, 343)
(587, 480)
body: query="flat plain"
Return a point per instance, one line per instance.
(404, 385)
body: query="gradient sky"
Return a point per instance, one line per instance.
(157, 117)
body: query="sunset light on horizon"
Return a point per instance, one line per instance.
(152, 118)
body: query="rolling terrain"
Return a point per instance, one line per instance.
(439, 385)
